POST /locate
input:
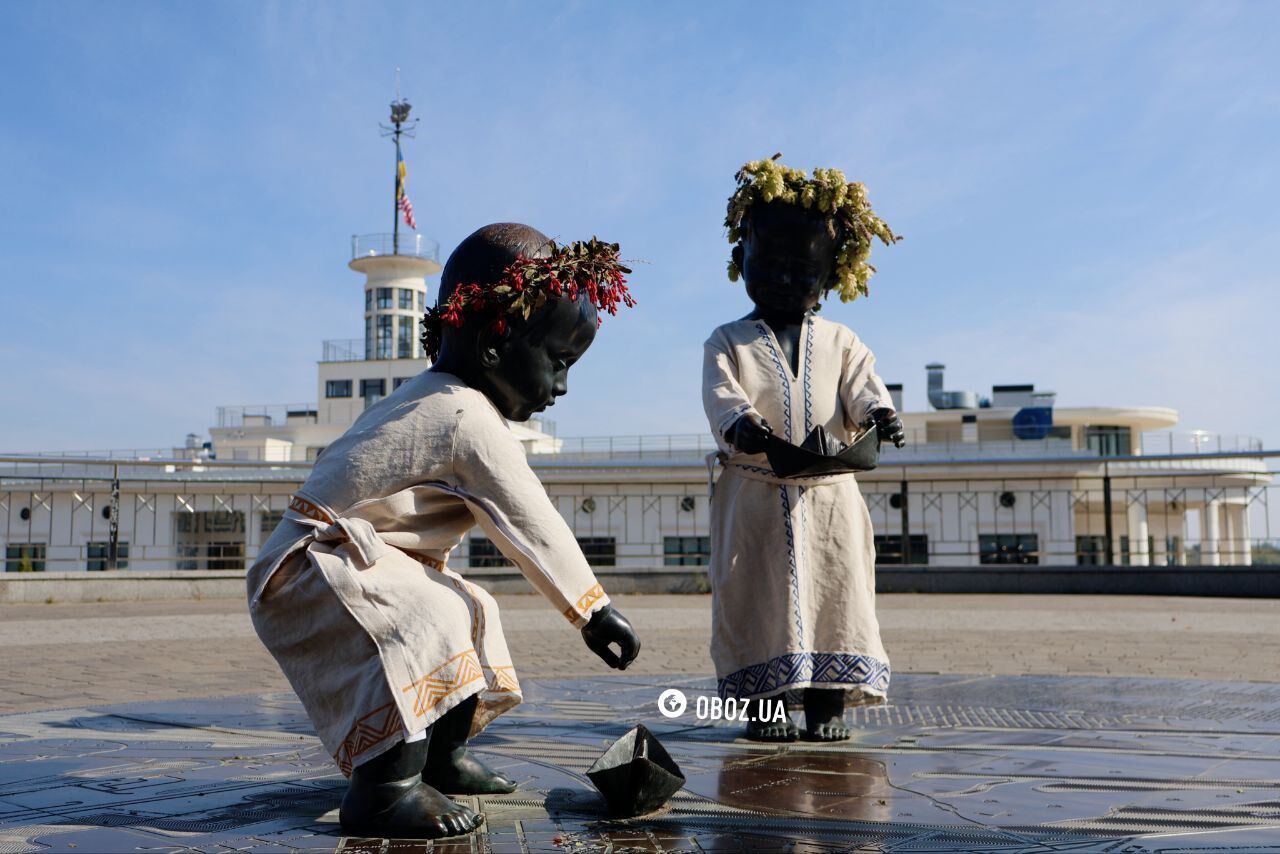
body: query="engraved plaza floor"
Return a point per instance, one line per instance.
(1126, 724)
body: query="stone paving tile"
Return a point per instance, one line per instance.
(63, 654)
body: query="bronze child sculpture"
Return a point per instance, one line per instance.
(398, 660)
(793, 563)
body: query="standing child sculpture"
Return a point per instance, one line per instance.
(792, 559)
(398, 660)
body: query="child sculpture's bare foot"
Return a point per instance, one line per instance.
(454, 769)
(764, 725)
(824, 714)
(388, 799)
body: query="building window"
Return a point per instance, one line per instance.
(1091, 549)
(383, 348)
(406, 299)
(210, 539)
(1107, 441)
(368, 299)
(422, 301)
(599, 551)
(1128, 557)
(337, 388)
(399, 381)
(404, 347)
(384, 297)
(24, 557)
(686, 551)
(99, 556)
(368, 338)
(1008, 548)
(483, 553)
(271, 519)
(889, 549)
(373, 390)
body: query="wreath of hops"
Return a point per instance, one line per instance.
(829, 191)
(590, 266)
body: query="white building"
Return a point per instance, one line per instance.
(1012, 479)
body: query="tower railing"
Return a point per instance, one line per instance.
(413, 245)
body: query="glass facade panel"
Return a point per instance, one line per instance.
(1009, 548)
(337, 388)
(373, 388)
(599, 551)
(483, 553)
(24, 557)
(406, 298)
(1091, 549)
(99, 556)
(382, 349)
(686, 551)
(889, 549)
(404, 343)
(1107, 441)
(368, 299)
(384, 297)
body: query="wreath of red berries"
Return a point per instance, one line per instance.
(591, 267)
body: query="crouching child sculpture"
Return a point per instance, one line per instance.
(398, 660)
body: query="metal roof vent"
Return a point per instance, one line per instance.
(940, 399)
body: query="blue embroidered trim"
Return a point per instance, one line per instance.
(772, 473)
(831, 668)
(734, 415)
(808, 377)
(783, 374)
(794, 579)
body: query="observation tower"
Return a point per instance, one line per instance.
(355, 374)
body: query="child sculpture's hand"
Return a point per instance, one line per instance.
(749, 434)
(889, 426)
(609, 626)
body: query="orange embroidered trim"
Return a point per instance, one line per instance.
(504, 680)
(474, 606)
(433, 688)
(585, 601)
(427, 560)
(370, 730)
(301, 505)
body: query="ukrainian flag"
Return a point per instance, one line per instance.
(402, 172)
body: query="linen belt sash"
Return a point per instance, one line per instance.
(363, 537)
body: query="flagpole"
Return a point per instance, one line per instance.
(399, 116)
(395, 200)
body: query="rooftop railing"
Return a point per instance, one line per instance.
(415, 245)
(266, 415)
(343, 350)
(1196, 442)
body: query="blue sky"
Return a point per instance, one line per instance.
(1088, 191)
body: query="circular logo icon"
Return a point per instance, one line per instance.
(672, 703)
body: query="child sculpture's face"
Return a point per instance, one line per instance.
(787, 258)
(526, 373)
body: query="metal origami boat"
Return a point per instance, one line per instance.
(636, 775)
(821, 454)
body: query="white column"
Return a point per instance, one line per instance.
(1237, 518)
(1210, 533)
(1138, 533)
